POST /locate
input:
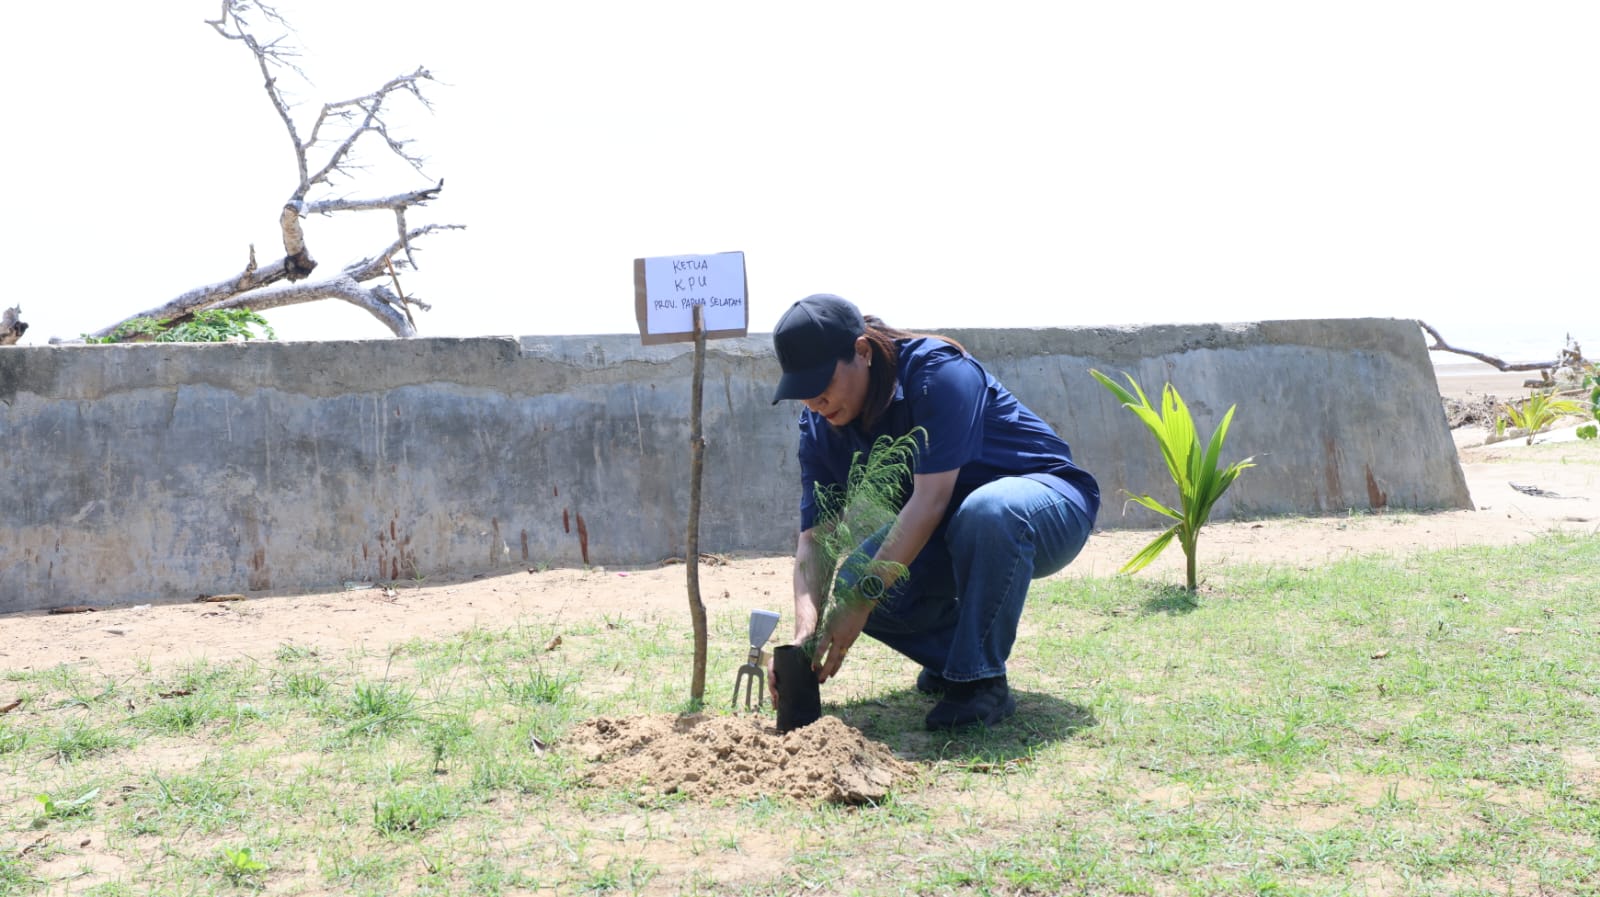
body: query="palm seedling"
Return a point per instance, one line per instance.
(1196, 469)
(1538, 411)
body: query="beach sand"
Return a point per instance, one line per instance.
(1474, 381)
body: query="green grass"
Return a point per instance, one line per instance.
(77, 740)
(1416, 726)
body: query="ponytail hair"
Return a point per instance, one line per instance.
(885, 355)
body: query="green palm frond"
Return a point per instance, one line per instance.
(1149, 552)
(1156, 506)
(1538, 411)
(1195, 469)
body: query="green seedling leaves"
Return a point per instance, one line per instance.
(239, 866)
(1535, 413)
(78, 806)
(208, 326)
(864, 508)
(1197, 471)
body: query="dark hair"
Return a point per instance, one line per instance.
(885, 354)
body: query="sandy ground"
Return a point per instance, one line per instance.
(121, 640)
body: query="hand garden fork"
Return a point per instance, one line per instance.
(752, 677)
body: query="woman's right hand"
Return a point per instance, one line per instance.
(772, 667)
(839, 632)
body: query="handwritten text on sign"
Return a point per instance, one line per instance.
(674, 285)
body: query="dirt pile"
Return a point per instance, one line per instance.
(739, 757)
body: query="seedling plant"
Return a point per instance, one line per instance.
(1196, 470)
(1536, 413)
(855, 517)
(81, 805)
(239, 867)
(207, 326)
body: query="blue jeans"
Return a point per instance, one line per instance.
(956, 612)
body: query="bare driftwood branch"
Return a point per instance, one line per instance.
(391, 308)
(378, 301)
(1570, 356)
(1439, 345)
(368, 109)
(298, 262)
(398, 202)
(388, 306)
(250, 278)
(338, 129)
(405, 303)
(231, 25)
(373, 267)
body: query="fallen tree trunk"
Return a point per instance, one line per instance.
(1566, 357)
(1570, 356)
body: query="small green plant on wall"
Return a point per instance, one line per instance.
(210, 326)
(1195, 469)
(1535, 413)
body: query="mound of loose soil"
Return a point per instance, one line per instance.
(739, 757)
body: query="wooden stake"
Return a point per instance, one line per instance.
(697, 450)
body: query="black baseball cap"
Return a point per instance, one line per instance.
(811, 338)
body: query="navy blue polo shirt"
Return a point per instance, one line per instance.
(972, 421)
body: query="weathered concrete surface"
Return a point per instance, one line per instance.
(159, 472)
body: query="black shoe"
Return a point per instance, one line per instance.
(931, 683)
(985, 702)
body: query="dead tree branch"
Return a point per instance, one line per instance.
(378, 301)
(388, 306)
(398, 202)
(1570, 356)
(207, 296)
(1439, 345)
(338, 131)
(231, 25)
(368, 109)
(264, 288)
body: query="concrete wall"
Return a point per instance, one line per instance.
(159, 472)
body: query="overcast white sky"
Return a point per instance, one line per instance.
(942, 164)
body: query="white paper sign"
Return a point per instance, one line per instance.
(673, 285)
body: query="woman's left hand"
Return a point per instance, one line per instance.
(839, 631)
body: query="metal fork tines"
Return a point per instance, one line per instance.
(752, 676)
(753, 680)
